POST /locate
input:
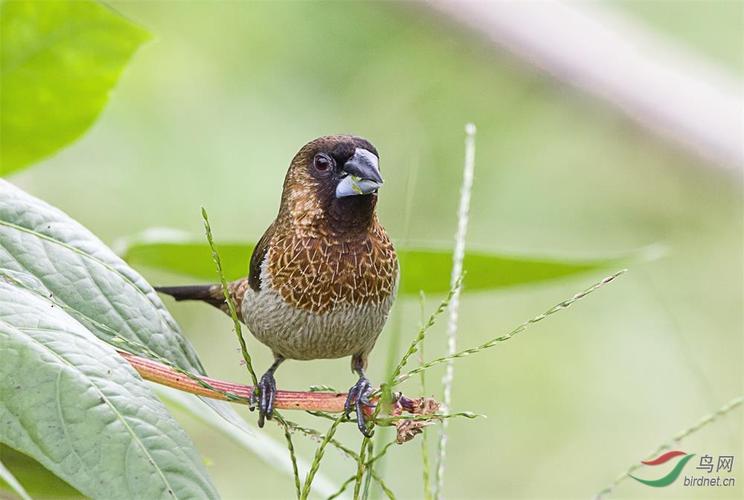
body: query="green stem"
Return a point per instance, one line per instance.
(467, 352)
(708, 419)
(349, 453)
(360, 468)
(318, 457)
(424, 435)
(368, 477)
(413, 347)
(372, 473)
(229, 300)
(292, 455)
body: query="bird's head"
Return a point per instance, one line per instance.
(333, 181)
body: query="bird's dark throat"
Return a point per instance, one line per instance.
(352, 214)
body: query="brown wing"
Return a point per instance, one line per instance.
(259, 253)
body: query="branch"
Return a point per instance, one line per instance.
(656, 83)
(329, 402)
(285, 400)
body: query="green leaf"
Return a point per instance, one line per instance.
(73, 404)
(426, 269)
(182, 253)
(8, 479)
(39, 482)
(58, 63)
(43, 250)
(429, 270)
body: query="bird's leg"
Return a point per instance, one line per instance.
(266, 393)
(358, 396)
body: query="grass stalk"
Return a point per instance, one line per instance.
(487, 345)
(731, 405)
(396, 319)
(368, 476)
(314, 434)
(229, 300)
(370, 467)
(463, 215)
(292, 456)
(272, 452)
(425, 467)
(343, 487)
(427, 418)
(315, 465)
(361, 466)
(423, 329)
(367, 443)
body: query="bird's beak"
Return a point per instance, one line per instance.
(362, 175)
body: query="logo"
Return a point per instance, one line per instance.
(671, 475)
(724, 464)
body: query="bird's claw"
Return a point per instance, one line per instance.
(357, 399)
(264, 398)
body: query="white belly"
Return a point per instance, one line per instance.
(293, 333)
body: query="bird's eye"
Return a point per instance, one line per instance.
(322, 162)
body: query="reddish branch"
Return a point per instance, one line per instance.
(331, 402)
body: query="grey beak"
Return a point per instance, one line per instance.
(363, 175)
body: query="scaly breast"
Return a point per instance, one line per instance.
(316, 274)
(322, 299)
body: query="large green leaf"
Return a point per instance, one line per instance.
(43, 250)
(426, 269)
(48, 252)
(9, 482)
(429, 269)
(73, 404)
(35, 478)
(58, 62)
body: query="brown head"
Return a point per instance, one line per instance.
(332, 184)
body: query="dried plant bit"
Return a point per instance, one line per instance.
(408, 429)
(418, 406)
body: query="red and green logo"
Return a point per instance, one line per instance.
(672, 475)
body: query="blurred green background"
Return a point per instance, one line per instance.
(210, 112)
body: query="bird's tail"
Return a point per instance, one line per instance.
(211, 294)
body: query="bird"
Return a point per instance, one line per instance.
(323, 277)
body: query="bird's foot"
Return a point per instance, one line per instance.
(264, 398)
(357, 399)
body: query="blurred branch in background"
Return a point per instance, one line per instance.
(659, 85)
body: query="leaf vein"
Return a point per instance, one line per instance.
(117, 414)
